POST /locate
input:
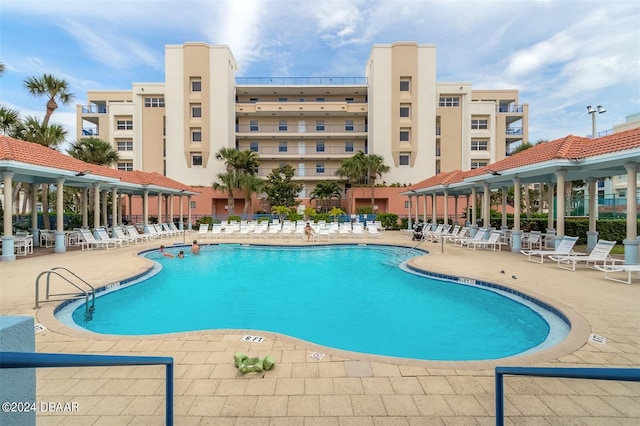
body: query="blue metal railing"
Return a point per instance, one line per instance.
(37, 360)
(290, 81)
(624, 374)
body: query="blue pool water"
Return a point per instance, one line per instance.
(347, 297)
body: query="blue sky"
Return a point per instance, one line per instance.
(561, 54)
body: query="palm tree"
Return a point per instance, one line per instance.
(94, 151)
(52, 88)
(250, 184)
(323, 191)
(228, 182)
(374, 165)
(230, 157)
(352, 170)
(247, 161)
(9, 120)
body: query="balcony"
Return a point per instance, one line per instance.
(307, 152)
(514, 131)
(89, 131)
(293, 128)
(510, 108)
(301, 81)
(289, 108)
(94, 109)
(307, 173)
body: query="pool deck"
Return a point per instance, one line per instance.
(342, 388)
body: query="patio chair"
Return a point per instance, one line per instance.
(133, 231)
(119, 232)
(610, 269)
(23, 244)
(104, 236)
(600, 255)
(565, 248)
(203, 230)
(464, 241)
(493, 242)
(47, 238)
(90, 242)
(533, 240)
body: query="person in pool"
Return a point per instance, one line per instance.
(195, 248)
(164, 253)
(181, 254)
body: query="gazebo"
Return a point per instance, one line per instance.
(34, 164)
(553, 163)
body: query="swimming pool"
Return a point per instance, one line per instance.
(351, 297)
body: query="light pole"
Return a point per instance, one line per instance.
(591, 110)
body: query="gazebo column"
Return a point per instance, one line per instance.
(516, 233)
(8, 239)
(105, 210)
(189, 212)
(130, 197)
(455, 208)
(159, 220)
(466, 216)
(446, 207)
(84, 207)
(474, 218)
(434, 212)
(170, 197)
(181, 213)
(551, 231)
(560, 174)
(486, 206)
(145, 210)
(592, 233)
(60, 245)
(409, 224)
(96, 205)
(35, 231)
(631, 242)
(417, 211)
(114, 206)
(424, 208)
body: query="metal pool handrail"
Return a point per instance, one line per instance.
(37, 360)
(624, 374)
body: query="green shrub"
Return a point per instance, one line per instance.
(321, 216)
(364, 210)
(295, 217)
(388, 220)
(234, 217)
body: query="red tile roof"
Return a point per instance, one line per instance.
(39, 155)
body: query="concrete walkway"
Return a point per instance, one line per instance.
(342, 388)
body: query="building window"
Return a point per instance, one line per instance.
(125, 146)
(125, 124)
(406, 204)
(403, 160)
(154, 102)
(348, 126)
(282, 146)
(253, 125)
(253, 146)
(196, 135)
(125, 166)
(453, 101)
(319, 146)
(405, 85)
(319, 125)
(319, 99)
(404, 135)
(320, 168)
(253, 100)
(478, 145)
(192, 204)
(282, 99)
(478, 164)
(196, 111)
(348, 146)
(404, 111)
(479, 124)
(196, 159)
(282, 126)
(349, 100)
(196, 85)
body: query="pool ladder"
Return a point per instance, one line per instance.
(84, 289)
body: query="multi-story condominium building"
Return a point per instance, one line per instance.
(397, 110)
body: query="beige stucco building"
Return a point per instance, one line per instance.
(397, 109)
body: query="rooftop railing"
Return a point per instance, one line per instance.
(301, 81)
(623, 374)
(43, 360)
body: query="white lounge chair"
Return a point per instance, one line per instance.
(133, 231)
(532, 241)
(203, 230)
(122, 236)
(480, 233)
(493, 242)
(610, 269)
(89, 241)
(565, 248)
(463, 232)
(104, 236)
(600, 255)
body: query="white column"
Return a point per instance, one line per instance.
(8, 239)
(446, 207)
(434, 212)
(516, 233)
(181, 213)
(114, 206)
(409, 224)
(560, 174)
(159, 207)
(130, 208)
(105, 215)
(96, 205)
(631, 242)
(455, 207)
(503, 196)
(189, 212)
(592, 234)
(424, 208)
(60, 244)
(170, 208)
(145, 210)
(486, 205)
(84, 204)
(474, 198)
(34, 216)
